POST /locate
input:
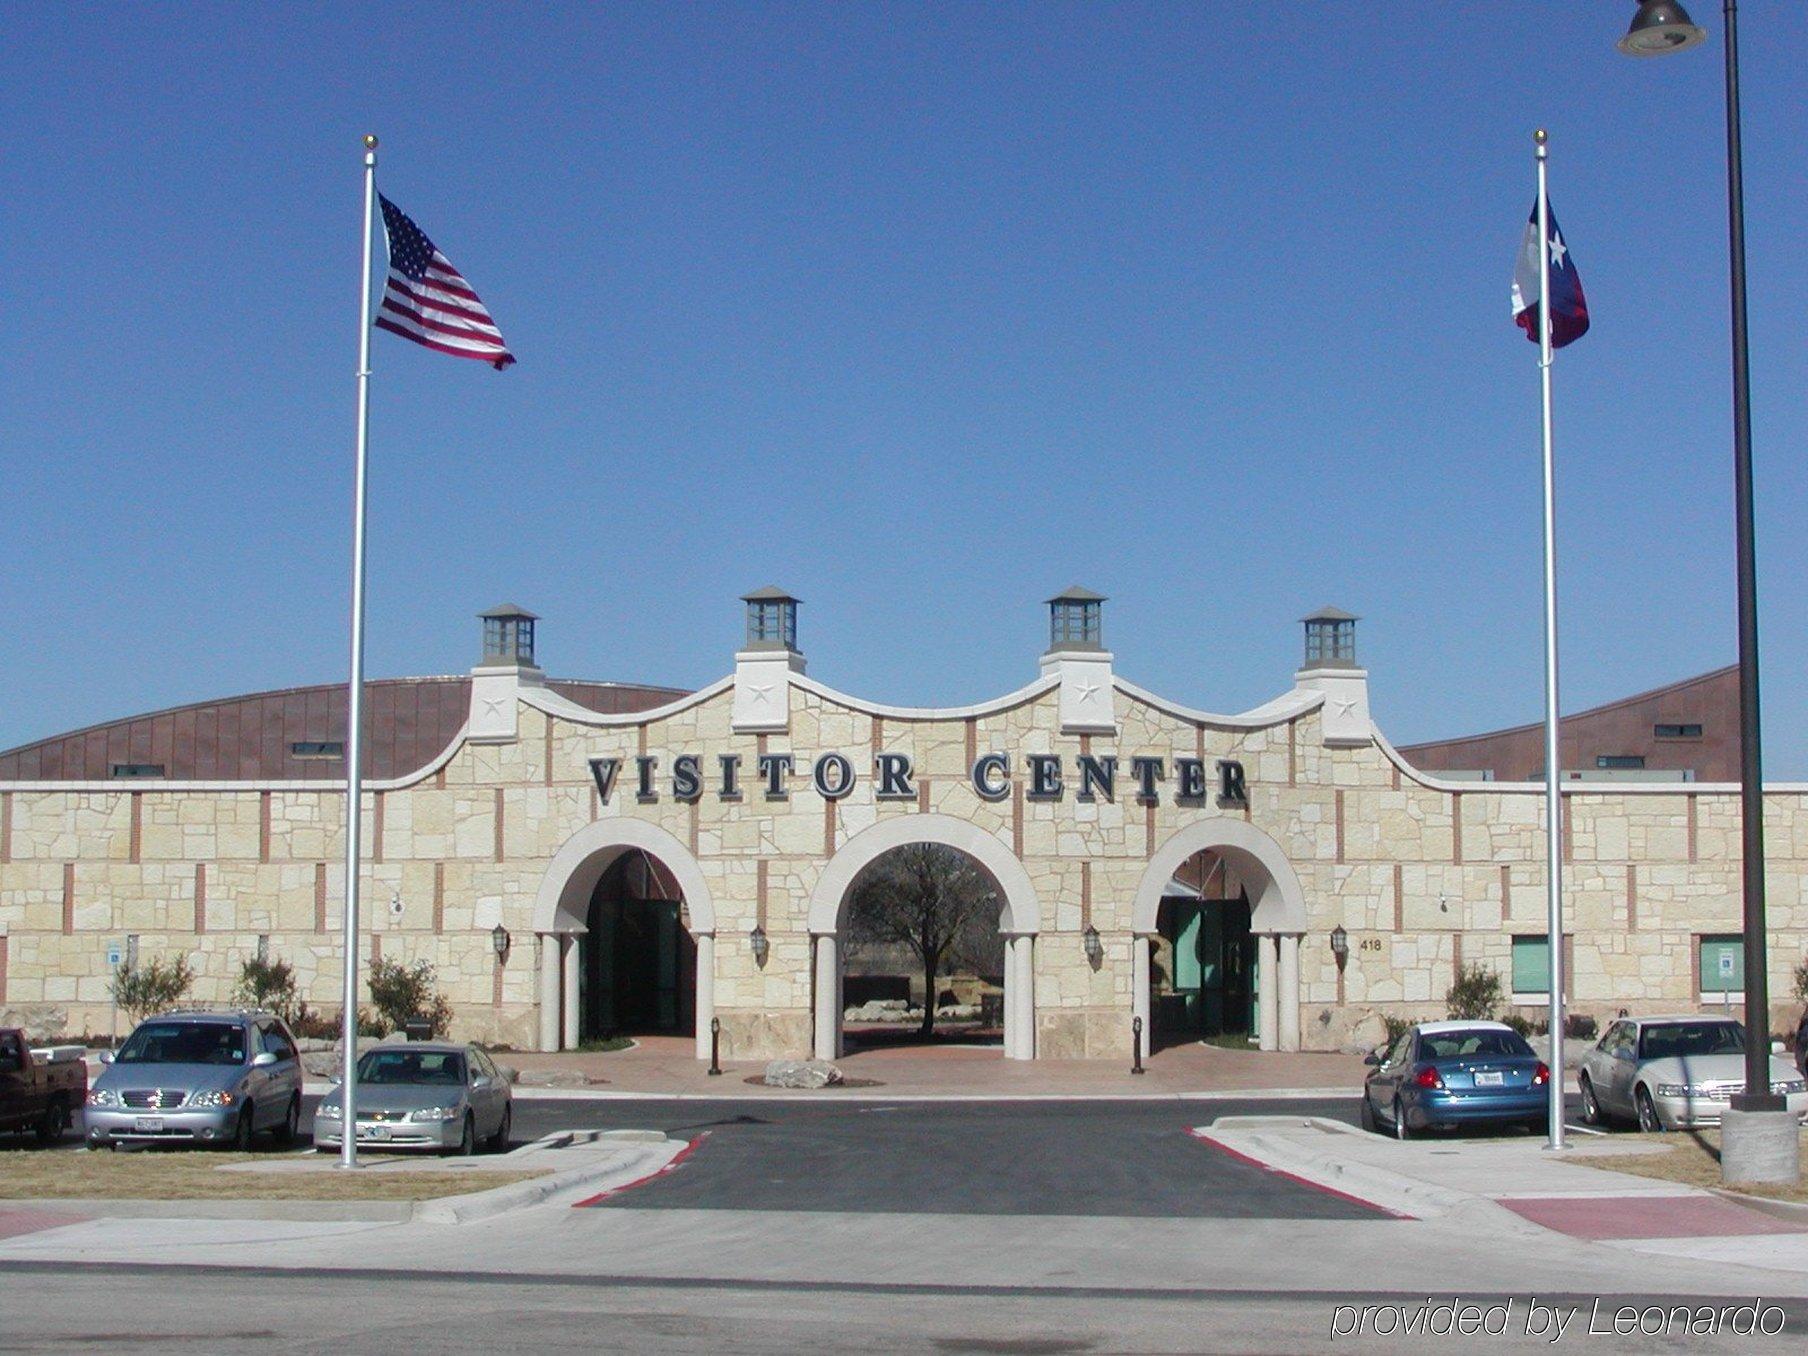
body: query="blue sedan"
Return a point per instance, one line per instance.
(1443, 1074)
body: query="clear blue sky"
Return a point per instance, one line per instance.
(922, 312)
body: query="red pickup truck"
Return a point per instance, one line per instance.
(39, 1096)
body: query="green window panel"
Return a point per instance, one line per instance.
(1531, 965)
(1723, 964)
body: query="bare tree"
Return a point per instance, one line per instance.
(935, 900)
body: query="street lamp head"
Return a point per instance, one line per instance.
(1659, 28)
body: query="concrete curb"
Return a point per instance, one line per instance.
(78, 1210)
(1390, 1191)
(642, 1160)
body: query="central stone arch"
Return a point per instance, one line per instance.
(1020, 921)
(1277, 917)
(560, 917)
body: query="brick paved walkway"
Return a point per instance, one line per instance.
(665, 1064)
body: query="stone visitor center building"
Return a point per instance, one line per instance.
(583, 858)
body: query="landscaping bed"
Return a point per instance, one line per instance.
(169, 1175)
(1692, 1158)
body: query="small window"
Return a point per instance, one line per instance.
(1676, 731)
(317, 748)
(1531, 965)
(1621, 762)
(139, 770)
(1722, 964)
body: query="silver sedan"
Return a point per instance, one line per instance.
(425, 1095)
(1674, 1073)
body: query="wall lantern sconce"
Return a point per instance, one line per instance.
(757, 940)
(1340, 945)
(500, 940)
(1095, 949)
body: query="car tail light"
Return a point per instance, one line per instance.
(1428, 1077)
(1541, 1075)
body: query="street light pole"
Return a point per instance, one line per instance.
(1658, 28)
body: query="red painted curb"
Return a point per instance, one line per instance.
(677, 1158)
(1294, 1177)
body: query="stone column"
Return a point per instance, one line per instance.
(569, 944)
(1267, 983)
(840, 1002)
(705, 1006)
(1139, 987)
(828, 1023)
(1288, 1026)
(549, 991)
(1023, 978)
(1010, 994)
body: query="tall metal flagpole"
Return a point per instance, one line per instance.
(1553, 794)
(354, 728)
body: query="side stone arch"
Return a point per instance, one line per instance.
(1020, 920)
(562, 905)
(1277, 915)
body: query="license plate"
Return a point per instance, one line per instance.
(1493, 1079)
(373, 1132)
(149, 1125)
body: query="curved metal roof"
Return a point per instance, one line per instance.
(255, 737)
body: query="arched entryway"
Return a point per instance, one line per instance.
(1019, 920)
(1265, 883)
(626, 928)
(1203, 964)
(637, 972)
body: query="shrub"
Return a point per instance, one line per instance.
(1800, 986)
(402, 993)
(144, 990)
(1519, 1024)
(1579, 1026)
(1396, 1026)
(1475, 996)
(270, 984)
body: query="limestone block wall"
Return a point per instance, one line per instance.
(1423, 877)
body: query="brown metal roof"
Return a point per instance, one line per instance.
(1618, 729)
(407, 722)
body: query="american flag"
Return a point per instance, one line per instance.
(429, 301)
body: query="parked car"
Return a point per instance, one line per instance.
(1801, 1044)
(197, 1077)
(39, 1092)
(1445, 1074)
(422, 1095)
(1671, 1073)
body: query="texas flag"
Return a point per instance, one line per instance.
(1569, 310)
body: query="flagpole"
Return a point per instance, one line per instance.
(354, 727)
(1553, 795)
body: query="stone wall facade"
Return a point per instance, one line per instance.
(1336, 830)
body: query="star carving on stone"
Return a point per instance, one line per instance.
(1086, 690)
(762, 692)
(493, 705)
(1345, 705)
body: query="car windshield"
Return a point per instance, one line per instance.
(184, 1043)
(1481, 1043)
(412, 1066)
(1670, 1039)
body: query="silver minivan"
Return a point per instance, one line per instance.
(198, 1077)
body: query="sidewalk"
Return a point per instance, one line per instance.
(665, 1066)
(1525, 1187)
